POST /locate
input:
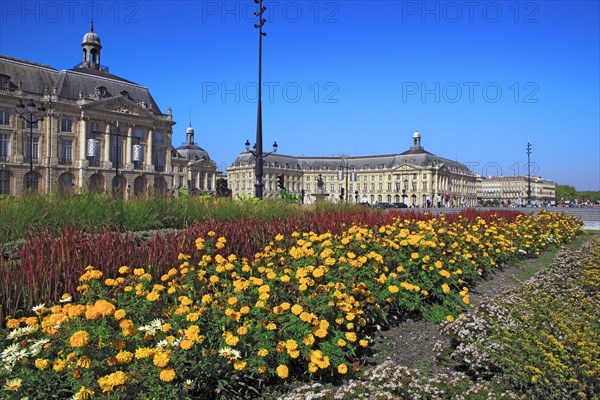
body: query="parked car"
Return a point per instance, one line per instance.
(399, 205)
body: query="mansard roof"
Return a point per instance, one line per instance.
(76, 83)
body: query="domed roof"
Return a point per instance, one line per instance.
(91, 37)
(189, 149)
(416, 134)
(192, 152)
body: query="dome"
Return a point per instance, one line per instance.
(416, 135)
(91, 37)
(192, 152)
(189, 130)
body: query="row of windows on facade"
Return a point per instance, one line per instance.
(333, 187)
(66, 151)
(398, 177)
(66, 126)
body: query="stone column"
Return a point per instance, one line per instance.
(81, 145)
(106, 155)
(148, 161)
(128, 162)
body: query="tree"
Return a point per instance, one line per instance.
(565, 193)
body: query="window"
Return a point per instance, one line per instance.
(32, 152)
(181, 181)
(116, 152)
(66, 151)
(4, 182)
(364, 187)
(372, 187)
(138, 134)
(34, 125)
(4, 81)
(389, 186)
(95, 128)
(414, 186)
(406, 184)
(4, 145)
(159, 137)
(4, 118)
(158, 159)
(425, 185)
(66, 125)
(380, 186)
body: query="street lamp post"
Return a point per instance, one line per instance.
(259, 145)
(528, 173)
(345, 174)
(33, 118)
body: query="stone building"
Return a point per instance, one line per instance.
(512, 190)
(101, 132)
(415, 177)
(193, 170)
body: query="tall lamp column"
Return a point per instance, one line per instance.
(33, 118)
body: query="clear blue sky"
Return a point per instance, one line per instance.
(478, 79)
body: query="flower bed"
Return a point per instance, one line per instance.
(223, 325)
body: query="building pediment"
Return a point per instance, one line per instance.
(121, 105)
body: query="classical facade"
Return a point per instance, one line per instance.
(193, 170)
(101, 132)
(512, 190)
(415, 177)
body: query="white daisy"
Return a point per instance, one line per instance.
(38, 308)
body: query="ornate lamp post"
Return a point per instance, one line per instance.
(34, 117)
(528, 173)
(348, 174)
(259, 145)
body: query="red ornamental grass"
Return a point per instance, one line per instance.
(51, 264)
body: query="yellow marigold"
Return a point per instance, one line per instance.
(138, 271)
(297, 309)
(450, 318)
(124, 357)
(92, 313)
(107, 383)
(444, 273)
(271, 326)
(414, 255)
(320, 332)
(279, 237)
(119, 314)
(282, 371)
(123, 270)
(167, 374)
(84, 362)
(363, 342)
(263, 352)
(59, 364)
(239, 365)
(153, 296)
(161, 358)
(12, 323)
(143, 352)
(446, 288)
(351, 336)
(393, 289)
(83, 393)
(42, 363)
(79, 339)
(262, 369)
(342, 369)
(309, 340)
(242, 330)
(341, 342)
(231, 339)
(186, 344)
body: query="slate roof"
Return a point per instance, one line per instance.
(40, 79)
